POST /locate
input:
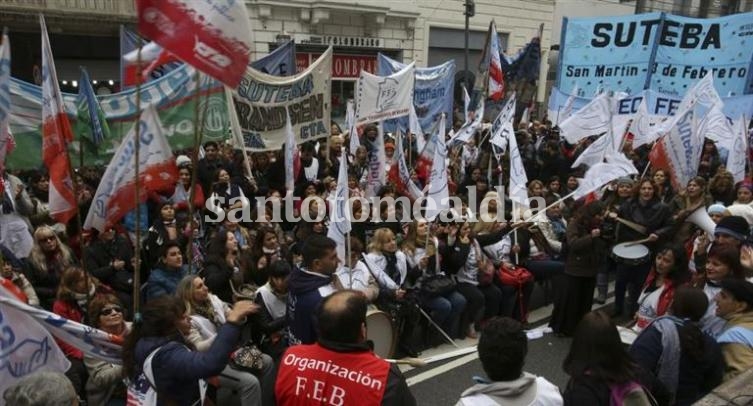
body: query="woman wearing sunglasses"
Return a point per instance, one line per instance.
(105, 385)
(46, 262)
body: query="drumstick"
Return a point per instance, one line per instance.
(631, 243)
(635, 226)
(414, 362)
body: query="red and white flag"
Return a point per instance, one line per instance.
(56, 134)
(212, 35)
(152, 57)
(496, 79)
(400, 174)
(157, 172)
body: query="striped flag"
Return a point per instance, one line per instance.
(495, 85)
(56, 134)
(90, 111)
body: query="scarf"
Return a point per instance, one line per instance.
(668, 367)
(666, 296)
(206, 310)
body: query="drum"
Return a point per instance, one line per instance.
(381, 332)
(629, 253)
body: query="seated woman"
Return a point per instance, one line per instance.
(222, 269)
(355, 275)
(434, 251)
(266, 250)
(390, 269)
(182, 196)
(670, 272)
(687, 361)
(76, 290)
(105, 385)
(46, 262)
(163, 280)
(108, 257)
(18, 279)
(178, 370)
(272, 299)
(723, 263)
(163, 229)
(208, 314)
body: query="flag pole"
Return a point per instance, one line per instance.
(137, 186)
(197, 138)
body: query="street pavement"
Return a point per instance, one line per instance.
(441, 383)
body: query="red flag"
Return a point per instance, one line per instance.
(496, 84)
(152, 57)
(56, 134)
(215, 40)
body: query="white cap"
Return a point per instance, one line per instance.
(182, 160)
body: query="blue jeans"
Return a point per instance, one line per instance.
(445, 310)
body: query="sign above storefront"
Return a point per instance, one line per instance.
(344, 66)
(338, 41)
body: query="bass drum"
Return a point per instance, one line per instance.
(380, 330)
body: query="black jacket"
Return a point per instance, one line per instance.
(98, 257)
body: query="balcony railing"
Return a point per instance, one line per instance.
(104, 8)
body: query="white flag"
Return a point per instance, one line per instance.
(703, 92)
(289, 154)
(157, 172)
(339, 220)
(381, 98)
(679, 151)
(400, 174)
(377, 159)
(567, 109)
(738, 151)
(716, 127)
(517, 191)
(592, 119)
(502, 127)
(350, 124)
(26, 346)
(415, 129)
(466, 106)
(602, 173)
(437, 195)
(645, 126)
(469, 128)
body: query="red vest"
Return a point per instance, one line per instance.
(314, 375)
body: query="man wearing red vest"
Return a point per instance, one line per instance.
(340, 369)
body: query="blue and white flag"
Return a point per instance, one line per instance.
(5, 137)
(280, 62)
(90, 111)
(438, 195)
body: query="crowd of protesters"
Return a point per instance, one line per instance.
(255, 288)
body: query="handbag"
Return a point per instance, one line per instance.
(485, 274)
(514, 276)
(437, 285)
(247, 357)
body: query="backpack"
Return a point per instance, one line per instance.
(630, 394)
(142, 391)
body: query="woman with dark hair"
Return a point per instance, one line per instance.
(647, 211)
(223, 266)
(722, 188)
(267, 250)
(105, 384)
(226, 194)
(600, 367)
(108, 257)
(164, 278)
(176, 367)
(587, 254)
(670, 271)
(272, 298)
(723, 262)
(687, 361)
(664, 192)
(182, 196)
(39, 191)
(164, 229)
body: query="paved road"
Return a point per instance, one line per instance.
(442, 383)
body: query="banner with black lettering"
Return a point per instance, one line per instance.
(660, 51)
(263, 100)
